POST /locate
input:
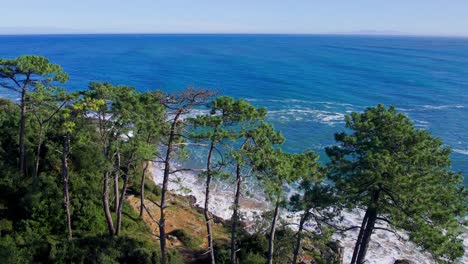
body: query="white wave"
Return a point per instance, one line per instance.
(421, 123)
(438, 107)
(222, 194)
(297, 111)
(298, 101)
(429, 107)
(461, 151)
(384, 247)
(307, 114)
(193, 113)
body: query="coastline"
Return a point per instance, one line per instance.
(385, 247)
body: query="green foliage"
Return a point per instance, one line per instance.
(253, 248)
(227, 123)
(9, 121)
(33, 66)
(254, 258)
(188, 239)
(381, 153)
(11, 253)
(106, 250)
(32, 218)
(402, 173)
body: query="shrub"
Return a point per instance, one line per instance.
(189, 240)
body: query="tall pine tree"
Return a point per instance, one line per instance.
(400, 176)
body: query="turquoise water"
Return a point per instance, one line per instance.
(307, 82)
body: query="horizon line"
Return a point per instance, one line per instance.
(364, 33)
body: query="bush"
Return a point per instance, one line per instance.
(11, 253)
(187, 239)
(104, 250)
(254, 258)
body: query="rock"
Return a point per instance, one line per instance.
(192, 200)
(216, 219)
(337, 250)
(403, 261)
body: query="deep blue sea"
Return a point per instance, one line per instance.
(307, 82)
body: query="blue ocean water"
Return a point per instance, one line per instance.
(307, 82)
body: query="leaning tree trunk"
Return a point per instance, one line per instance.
(235, 211)
(22, 132)
(142, 189)
(235, 215)
(207, 201)
(162, 204)
(116, 181)
(105, 203)
(162, 220)
(66, 195)
(299, 235)
(121, 202)
(365, 234)
(359, 238)
(271, 239)
(38, 151)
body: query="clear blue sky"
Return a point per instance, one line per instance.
(420, 17)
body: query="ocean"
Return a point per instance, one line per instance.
(307, 82)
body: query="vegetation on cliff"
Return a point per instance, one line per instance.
(76, 187)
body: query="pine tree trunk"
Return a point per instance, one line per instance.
(142, 189)
(66, 195)
(121, 202)
(207, 201)
(22, 132)
(235, 215)
(359, 238)
(299, 236)
(105, 203)
(116, 182)
(271, 239)
(372, 217)
(235, 211)
(162, 204)
(38, 151)
(366, 236)
(162, 220)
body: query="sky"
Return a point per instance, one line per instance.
(406, 17)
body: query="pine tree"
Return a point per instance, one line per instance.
(257, 138)
(275, 169)
(148, 128)
(67, 113)
(400, 176)
(45, 103)
(114, 115)
(23, 75)
(224, 123)
(318, 203)
(177, 105)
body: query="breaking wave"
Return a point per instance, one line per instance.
(461, 151)
(307, 114)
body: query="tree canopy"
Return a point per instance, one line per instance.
(401, 176)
